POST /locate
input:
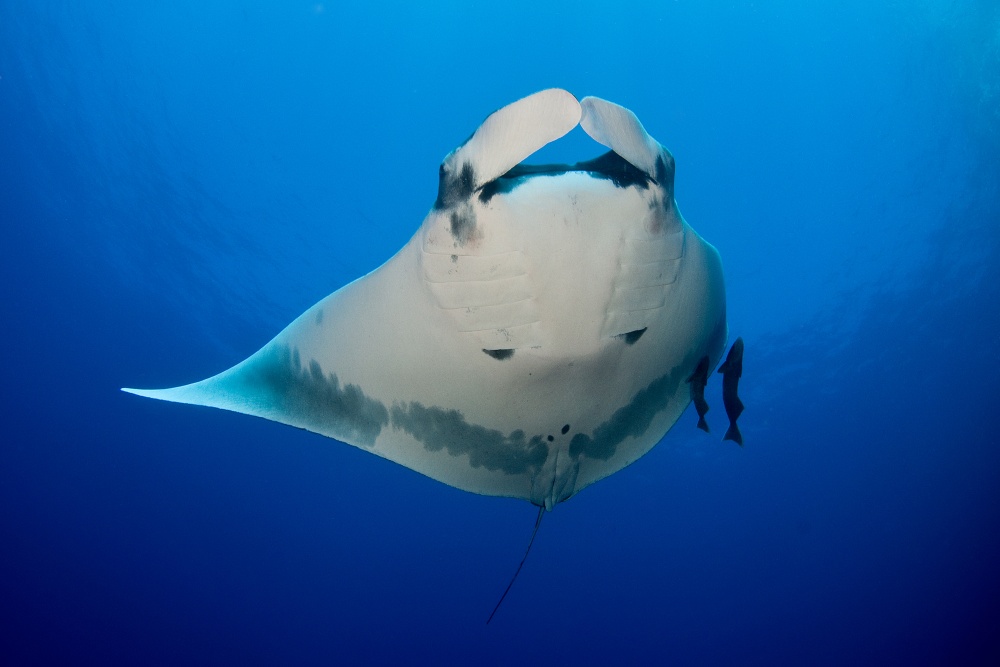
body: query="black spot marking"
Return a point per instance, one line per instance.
(631, 420)
(632, 336)
(454, 259)
(463, 224)
(610, 166)
(319, 317)
(276, 380)
(665, 174)
(550, 438)
(500, 355)
(565, 429)
(454, 188)
(437, 429)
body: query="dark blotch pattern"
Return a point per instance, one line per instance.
(455, 187)
(437, 429)
(454, 194)
(665, 173)
(314, 400)
(463, 224)
(565, 429)
(631, 420)
(500, 355)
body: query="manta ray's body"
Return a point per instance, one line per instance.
(534, 336)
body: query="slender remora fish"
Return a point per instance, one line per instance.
(731, 371)
(698, 380)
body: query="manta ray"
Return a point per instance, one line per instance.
(534, 336)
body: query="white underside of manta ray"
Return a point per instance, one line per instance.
(534, 336)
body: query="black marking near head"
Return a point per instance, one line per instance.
(314, 400)
(631, 420)
(551, 438)
(500, 355)
(610, 166)
(454, 188)
(565, 429)
(665, 173)
(463, 224)
(437, 429)
(454, 194)
(632, 336)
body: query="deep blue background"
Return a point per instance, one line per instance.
(179, 180)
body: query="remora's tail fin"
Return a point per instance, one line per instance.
(733, 433)
(703, 425)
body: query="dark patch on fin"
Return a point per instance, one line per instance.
(565, 429)
(463, 224)
(665, 174)
(538, 522)
(310, 397)
(500, 355)
(632, 336)
(630, 420)
(438, 429)
(732, 370)
(698, 380)
(454, 188)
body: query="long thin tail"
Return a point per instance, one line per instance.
(538, 522)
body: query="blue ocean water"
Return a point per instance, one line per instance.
(179, 180)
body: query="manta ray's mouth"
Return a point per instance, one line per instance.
(491, 161)
(610, 166)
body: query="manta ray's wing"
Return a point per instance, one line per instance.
(502, 350)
